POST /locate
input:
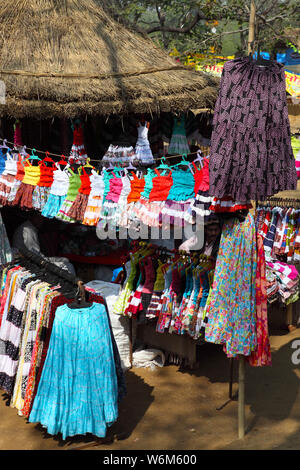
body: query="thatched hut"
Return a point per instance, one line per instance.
(71, 58)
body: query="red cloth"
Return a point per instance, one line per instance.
(20, 169)
(137, 187)
(161, 186)
(85, 187)
(46, 178)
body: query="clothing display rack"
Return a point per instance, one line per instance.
(49, 267)
(283, 202)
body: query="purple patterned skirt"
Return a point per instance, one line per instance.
(251, 155)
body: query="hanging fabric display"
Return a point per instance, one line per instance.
(42, 190)
(142, 148)
(251, 155)
(231, 307)
(78, 153)
(58, 191)
(179, 144)
(36, 321)
(18, 143)
(7, 178)
(32, 175)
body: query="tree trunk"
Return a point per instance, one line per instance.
(251, 35)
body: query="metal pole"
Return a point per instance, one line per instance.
(241, 403)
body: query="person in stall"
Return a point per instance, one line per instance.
(211, 239)
(26, 236)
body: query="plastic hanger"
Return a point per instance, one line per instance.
(130, 167)
(62, 161)
(80, 301)
(32, 157)
(23, 151)
(163, 165)
(199, 158)
(48, 158)
(4, 146)
(183, 162)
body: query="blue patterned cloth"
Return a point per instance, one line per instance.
(78, 391)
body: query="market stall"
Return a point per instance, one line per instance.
(99, 201)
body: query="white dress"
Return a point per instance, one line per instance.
(142, 149)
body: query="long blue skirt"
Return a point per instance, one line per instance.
(78, 392)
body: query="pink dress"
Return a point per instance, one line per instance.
(115, 189)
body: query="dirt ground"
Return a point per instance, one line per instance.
(176, 409)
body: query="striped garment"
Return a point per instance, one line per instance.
(10, 337)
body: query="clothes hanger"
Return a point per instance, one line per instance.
(130, 167)
(48, 158)
(80, 299)
(199, 158)
(62, 161)
(4, 146)
(183, 162)
(163, 165)
(32, 158)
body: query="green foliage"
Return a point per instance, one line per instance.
(188, 25)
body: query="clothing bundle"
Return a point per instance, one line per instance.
(78, 153)
(295, 141)
(251, 156)
(280, 229)
(59, 365)
(283, 282)
(172, 293)
(158, 197)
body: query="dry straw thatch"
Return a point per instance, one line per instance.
(72, 58)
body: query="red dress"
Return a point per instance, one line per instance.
(161, 186)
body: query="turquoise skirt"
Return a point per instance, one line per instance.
(78, 391)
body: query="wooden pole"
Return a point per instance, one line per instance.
(241, 403)
(251, 34)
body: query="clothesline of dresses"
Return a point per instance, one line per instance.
(140, 154)
(24, 150)
(42, 338)
(176, 194)
(222, 301)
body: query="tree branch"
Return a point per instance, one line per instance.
(173, 29)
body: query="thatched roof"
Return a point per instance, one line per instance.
(71, 58)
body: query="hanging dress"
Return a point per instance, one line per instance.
(41, 192)
(24, 193)
(251, 156)
(78, 207)
(78, 390)
(58, 192)
(179, 144)
(200, 207)
(3, 158)
(231, 308)
(179, 198)
(18, 179)
(7, 179)
(74, 185)
(95, 200)
(142, 149)
(78, 153)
